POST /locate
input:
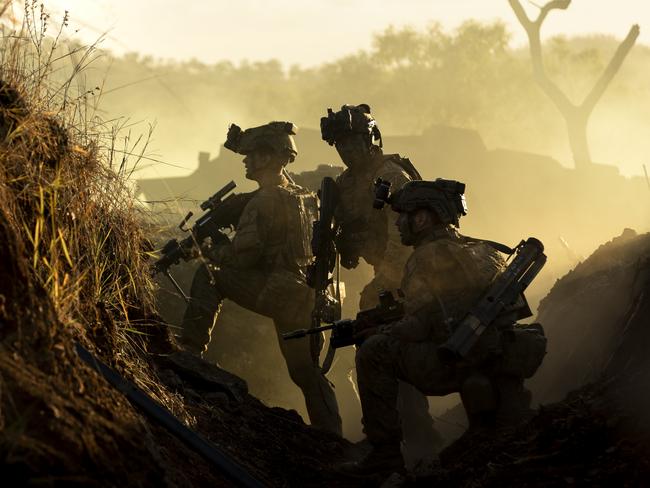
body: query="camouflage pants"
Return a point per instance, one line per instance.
(280, 297)
(383, 360)
(417, 429)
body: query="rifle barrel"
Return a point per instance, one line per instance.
(218, 196)
(297, 334)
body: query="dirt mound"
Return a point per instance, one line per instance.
(585, 312)
(74, 270)
(71, 246)
(582, 441)
(600, 434)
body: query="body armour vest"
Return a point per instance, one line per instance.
(283, 217)
(446, 277)
(363, 229)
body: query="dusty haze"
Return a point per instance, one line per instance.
(197, 55)
(470, 78)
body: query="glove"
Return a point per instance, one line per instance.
(361, 335)
(219, 239)
(214, 250)
(363, 329)
(349, 255)
(189, 251)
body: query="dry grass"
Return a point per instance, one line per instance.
(64, 184)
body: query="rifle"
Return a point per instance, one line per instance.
(222, 211)
(319, 272)
(504, 292)
(343, 331)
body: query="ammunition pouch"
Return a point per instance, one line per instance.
(524, 348)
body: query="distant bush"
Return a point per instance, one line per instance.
(469, 77)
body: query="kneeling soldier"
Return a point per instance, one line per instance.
(364, 232)
(444, 277)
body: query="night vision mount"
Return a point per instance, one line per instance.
(351, 119)
(233, 139)
(382, 194)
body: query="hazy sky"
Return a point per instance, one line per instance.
(309, 31)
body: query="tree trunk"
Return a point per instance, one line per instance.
(576, 122)
(576, 116)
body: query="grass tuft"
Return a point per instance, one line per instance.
(65, 187)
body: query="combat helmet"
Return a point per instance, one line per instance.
(275, 135)
(351, 119)
(444, 197)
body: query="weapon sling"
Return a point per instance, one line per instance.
(331, 351)
(529, 258)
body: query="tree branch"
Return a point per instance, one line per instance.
(612, 68)
(520, 13)
(545, 9)
(563, 104)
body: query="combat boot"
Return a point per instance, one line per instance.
(382, 459)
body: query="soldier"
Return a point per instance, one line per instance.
(369, 234)
(444, 276)
(263, 268)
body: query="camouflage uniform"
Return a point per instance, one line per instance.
(262, 269)
(371, 234)
(443, 278)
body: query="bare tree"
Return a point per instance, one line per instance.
(576, 116)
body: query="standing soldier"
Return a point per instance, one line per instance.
(263, 268)
(369, 234)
